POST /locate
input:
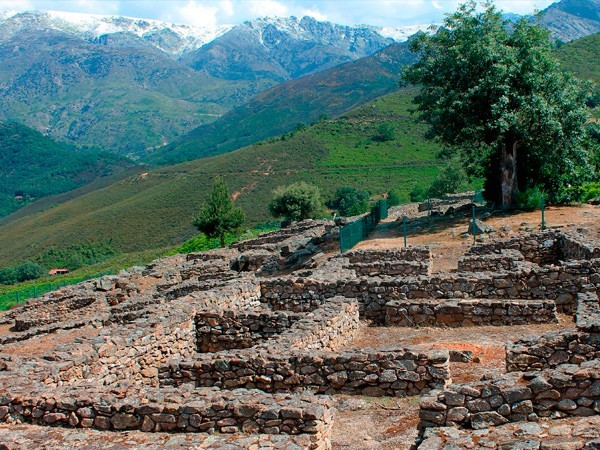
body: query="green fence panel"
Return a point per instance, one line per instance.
(359, 230)
(36, 291)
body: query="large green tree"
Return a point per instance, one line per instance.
(494, 91)
(218, 216)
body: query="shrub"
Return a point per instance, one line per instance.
(590, 191)
(350, 201)
(29, 271)
(385, 132)
(449, 181)
(296, 202)
(418, 193)
(392, 199)
(530, 199)
(8, 276)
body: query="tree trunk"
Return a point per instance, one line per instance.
(508, 174)
(222, 241)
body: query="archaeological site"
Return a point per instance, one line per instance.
(281, 342)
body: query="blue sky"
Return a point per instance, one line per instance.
(213, 12)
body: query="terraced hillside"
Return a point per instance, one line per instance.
(155, 209)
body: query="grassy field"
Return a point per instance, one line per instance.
(153, 211)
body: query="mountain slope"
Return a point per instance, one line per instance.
(568, 20)
(284, 48)
(279, 109)
(125, 84)
(119, 97)
(156, 209)
(582, 57)
(33, 166)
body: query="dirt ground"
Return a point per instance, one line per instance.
(41, 345)
(448, 243)
(390, 423)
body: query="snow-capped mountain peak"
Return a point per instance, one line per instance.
(171, 38)
(178, 40)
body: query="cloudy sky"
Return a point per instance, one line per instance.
(213, 12)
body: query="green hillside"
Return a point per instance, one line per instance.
(281, 108)
(155, 210)
(582, 57)
(33, 166)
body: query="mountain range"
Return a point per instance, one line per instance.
(136, 86)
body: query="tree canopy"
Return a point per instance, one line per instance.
(218, 216)
(495, 91)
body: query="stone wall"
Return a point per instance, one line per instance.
(495, 262)
(576, 246)
(540, 248)
(568, 390)
(393, 372)
(466, 313)
(391, 262)
(551, 350)
(588, 312)
(527, 282)
(304, 229)
(229, 329)
(176, 410)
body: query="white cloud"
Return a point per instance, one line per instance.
(198, 14)
(262, 8)
(314, 13)
(15, 5)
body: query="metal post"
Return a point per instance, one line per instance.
(474, 225)
(18, 296)
(35, 291)
(543, 218)
(404, 223)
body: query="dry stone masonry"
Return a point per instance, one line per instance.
(251, 342)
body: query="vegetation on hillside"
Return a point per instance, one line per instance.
(156, 210)
(279, 109)
(34, 166)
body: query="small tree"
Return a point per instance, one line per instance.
(350, 201)
(217, 215)
(393, 199)
(296, 202)
(450, 180)
(385, 132)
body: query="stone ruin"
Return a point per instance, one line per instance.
(247, 346)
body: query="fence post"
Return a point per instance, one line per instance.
(474, 226)
(18, 296)
(404, 224)
(543, 218)
(35, 292)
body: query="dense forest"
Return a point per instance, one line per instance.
(34, 166)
